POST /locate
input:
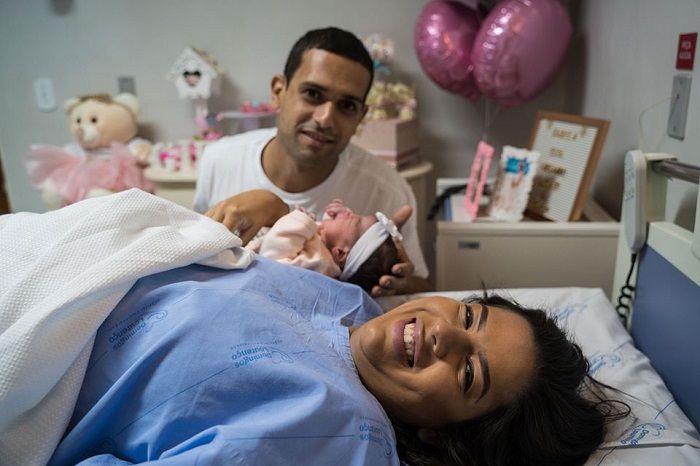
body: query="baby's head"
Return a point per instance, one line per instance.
(361, 245)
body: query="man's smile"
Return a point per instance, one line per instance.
(317, 137)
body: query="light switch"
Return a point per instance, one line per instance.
(126, 84)
(44, 95)
(680, 96)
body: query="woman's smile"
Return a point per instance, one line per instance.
(398, 341)
(407, 341)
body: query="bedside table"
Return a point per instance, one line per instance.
(526, 254)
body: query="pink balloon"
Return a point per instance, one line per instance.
(443, 39)
(519, 49)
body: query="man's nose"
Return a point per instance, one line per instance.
(323, 114)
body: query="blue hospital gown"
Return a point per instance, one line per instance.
(200, 366)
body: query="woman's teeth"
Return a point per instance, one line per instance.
(408, 341)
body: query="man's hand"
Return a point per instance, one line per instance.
(245, 213)
(398, 282)
(402, 280)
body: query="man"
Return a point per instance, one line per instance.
(306, 160)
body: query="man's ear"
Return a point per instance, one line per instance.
(278, 86)
(431, 436)
(340, 255)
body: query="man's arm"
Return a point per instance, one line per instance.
(245, 213)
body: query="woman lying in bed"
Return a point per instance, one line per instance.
(280, 365)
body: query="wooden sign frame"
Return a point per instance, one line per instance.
(569, 146)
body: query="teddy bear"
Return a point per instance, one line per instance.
(106, 156)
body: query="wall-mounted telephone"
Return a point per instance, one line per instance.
(634, 199)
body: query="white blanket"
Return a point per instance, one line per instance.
(61, 273)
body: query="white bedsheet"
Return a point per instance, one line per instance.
(658, 432)
(61, 273)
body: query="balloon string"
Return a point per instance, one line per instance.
(488, 119)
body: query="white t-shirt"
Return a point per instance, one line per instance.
(233, 164)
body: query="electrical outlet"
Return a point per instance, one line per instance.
(126, 84)
(44, 95)
(680, 96)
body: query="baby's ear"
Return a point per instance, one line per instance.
(340, 255)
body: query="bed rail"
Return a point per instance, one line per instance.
(679, 170)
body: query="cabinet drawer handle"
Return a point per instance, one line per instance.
(468, 244)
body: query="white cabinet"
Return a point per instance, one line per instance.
(526, 254)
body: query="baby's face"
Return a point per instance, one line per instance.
(342, 228)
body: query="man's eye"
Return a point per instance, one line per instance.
(468, 376)
(349, 106)
(312, 94)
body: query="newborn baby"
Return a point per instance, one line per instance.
(353, 248)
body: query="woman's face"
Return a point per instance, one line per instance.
(436, 361)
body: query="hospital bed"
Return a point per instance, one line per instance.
(653, 356)
(653, 359)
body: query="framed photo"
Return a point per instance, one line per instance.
(569, 147)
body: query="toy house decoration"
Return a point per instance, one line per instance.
(196, 74)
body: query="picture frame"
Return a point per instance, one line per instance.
(570, 147)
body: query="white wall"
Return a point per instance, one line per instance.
(84, 45)
(621, 62)
(629, 64)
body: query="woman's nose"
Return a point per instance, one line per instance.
(448, 338)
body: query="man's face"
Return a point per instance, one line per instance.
(320, 107)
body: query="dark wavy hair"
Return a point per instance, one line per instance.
(333, 40)
(379, 263)
(558, 419)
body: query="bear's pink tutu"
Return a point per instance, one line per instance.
(73, 175)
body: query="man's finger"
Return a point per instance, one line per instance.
(214, 214)
(231, 221)
(404, 269)
(378, 291)
(402, 215)
(401, 252)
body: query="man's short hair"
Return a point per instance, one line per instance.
(333, 40)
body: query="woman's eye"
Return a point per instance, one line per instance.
(93, 119)
(77, 120)
(468, 376)
(468, 317)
